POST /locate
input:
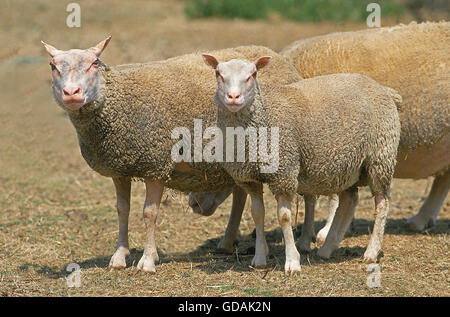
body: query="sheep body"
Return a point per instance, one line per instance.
(315, 132)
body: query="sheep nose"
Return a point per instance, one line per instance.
(234, 96)
(70, 91)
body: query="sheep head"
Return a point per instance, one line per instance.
(206, 203)
(236, 80)
(75, 76)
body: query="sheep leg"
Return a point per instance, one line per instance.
(292, 264)
(154, 191)
(261, 249)
(308, 226)
(333, 203)
(376, 239)
(426, 217)
(123, 192)
(237, 207)
(341, 221)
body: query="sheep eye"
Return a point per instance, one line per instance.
(52, 66)
(93, 65)
(252, 75)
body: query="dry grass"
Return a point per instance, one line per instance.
(54, 210)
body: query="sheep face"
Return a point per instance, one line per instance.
(75, 76)
(206, 204)
(236, 80)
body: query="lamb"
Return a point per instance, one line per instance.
(391, 56)
(335, 132)
(124, 117)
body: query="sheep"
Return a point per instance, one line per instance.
(391, 56)
(125, 116)
(414, 59)
(335, 132)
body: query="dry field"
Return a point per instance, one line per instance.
(55, 211)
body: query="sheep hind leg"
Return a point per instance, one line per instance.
(333, 203)
(348, 200)
(308, 226)
(426, 217)
(123, 192)
(376, 239)
(292, 264)
(154, 191)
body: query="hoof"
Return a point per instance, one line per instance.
(223, 247)
(304, 246)
(146, 264)
(118, 260)
(418, 225)
(325, 253)
(259, 262)
(292, 267)
(370, 256)
(321, 236)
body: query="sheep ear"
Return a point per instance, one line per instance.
(50, 49)
(100, 47)
(210, 61)
(262, 62)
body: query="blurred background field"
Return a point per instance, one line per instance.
(315, 10)
(54, 210)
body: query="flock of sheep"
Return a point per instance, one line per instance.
(352, 109)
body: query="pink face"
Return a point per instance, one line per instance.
(236, 80)
(75, 75)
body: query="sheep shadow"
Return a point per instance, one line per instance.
(208, 258)
(244, 247)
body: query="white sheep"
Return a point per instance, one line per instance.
(335, 132)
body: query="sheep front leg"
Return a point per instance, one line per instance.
(258, 213)
(292, 264)
(154, 191)
(426, 217)
(123, 191)
(308, 226)
(237, 207)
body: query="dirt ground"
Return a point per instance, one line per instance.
(55, 211)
